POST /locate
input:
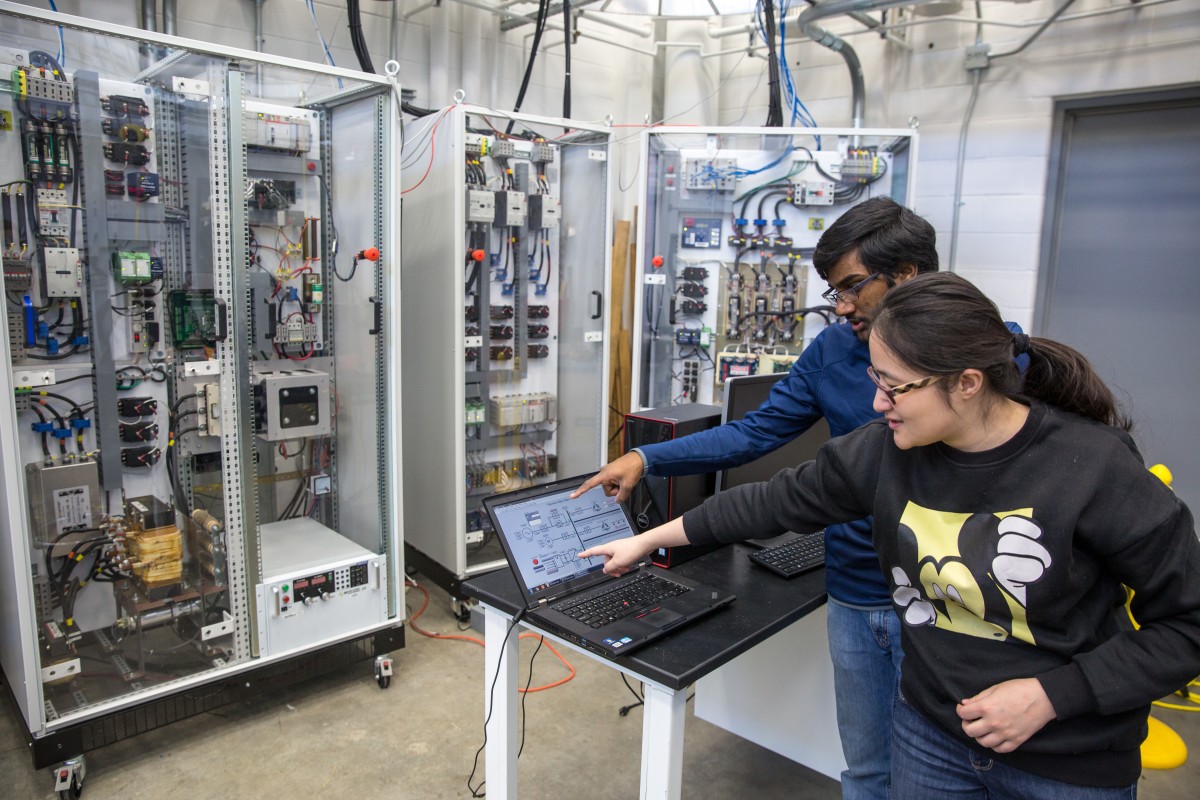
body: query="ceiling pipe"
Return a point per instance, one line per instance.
(807, 23)
(149, 14)
(636, 30)
(168, 9)
(260, 41)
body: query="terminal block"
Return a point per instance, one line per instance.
(132, 268)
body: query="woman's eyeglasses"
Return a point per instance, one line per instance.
(892, 392)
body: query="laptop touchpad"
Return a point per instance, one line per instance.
(661, 618)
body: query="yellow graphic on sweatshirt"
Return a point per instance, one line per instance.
(971, 571)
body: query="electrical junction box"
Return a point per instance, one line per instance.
(292, 404)
(710, 174)
(318, 586)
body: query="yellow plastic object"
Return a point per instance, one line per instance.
(1162, 749)
(1161, 472)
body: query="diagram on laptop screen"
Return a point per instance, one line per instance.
(545, 534)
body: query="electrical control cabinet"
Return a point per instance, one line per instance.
(200, 380)
(729, 219)
(507, 238)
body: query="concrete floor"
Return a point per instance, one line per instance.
(342, 736)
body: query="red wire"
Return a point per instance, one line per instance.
(412, 623)
(432, 146)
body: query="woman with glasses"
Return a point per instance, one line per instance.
(1010, 513)
(874, 247)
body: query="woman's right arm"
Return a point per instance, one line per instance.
(622, 554)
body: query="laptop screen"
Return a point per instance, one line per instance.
(543, 531)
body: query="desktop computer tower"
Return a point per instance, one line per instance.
(657, 499)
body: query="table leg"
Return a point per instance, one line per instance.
(500, 656)
(662, 743)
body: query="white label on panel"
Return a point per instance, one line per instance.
(73, 508)
(656, 279)
(597, 155)
(593, 336)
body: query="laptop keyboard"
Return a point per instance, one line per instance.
(793, 558)
(631, 596)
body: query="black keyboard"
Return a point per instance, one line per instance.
(632, 595)
(794, 557)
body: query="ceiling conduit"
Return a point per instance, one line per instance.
(807, 20)
(832, 8)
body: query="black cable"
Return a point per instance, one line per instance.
(539, 26)
(641, 701)
(354, 23)
(528, 683)
(42, 417)
(762, 200)
(775, 101)
(477, 791)
(567, 33)
(416, 111)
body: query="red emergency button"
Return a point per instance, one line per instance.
(477, 255)
(657, 261)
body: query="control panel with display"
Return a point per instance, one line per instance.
(311, 589)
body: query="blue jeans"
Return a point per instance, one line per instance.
(930, 765)
(865, 648)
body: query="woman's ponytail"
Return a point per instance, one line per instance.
(1061, 376)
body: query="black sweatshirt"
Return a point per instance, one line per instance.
(1009, 563)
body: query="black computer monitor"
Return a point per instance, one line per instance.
(745, 394)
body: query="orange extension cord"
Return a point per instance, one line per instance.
(412, 623)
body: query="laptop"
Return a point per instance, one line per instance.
(542, 531)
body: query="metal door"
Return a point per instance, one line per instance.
(1119, 278)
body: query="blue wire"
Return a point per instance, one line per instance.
(62, 48)
(312, 10)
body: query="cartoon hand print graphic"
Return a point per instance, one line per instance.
(917, 611)
(1021, 559)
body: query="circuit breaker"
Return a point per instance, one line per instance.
(507, 239)
(730, 218)
(196, 369)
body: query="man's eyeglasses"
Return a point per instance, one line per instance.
(849, 295)
(892, 392)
